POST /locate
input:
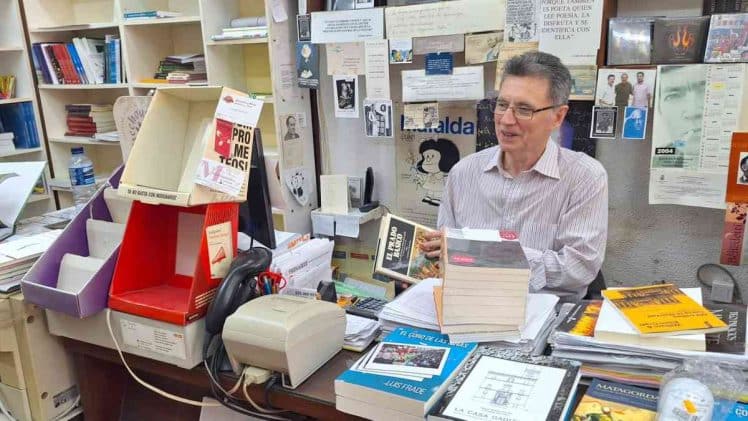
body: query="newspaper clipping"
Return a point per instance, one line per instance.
(695, 113)
(521, 20)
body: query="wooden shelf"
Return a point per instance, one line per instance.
(85, 86)
(151, 85)
(239, 41)
(81, 27)
(161, 21)
(11, 49)
(20, 152)
(14, 100)
(38, 198)
(80, 140)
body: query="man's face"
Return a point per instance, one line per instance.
(521, 136)
(611, 79)
(291, 125)
(624, 78)
(681, 100)
(639, 78)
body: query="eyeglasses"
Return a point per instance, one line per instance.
(521, 112)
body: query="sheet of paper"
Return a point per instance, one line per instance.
(17, 180)
(278, 9)
(439, 44)
(571, 29)
(323, 224)
(345, 58)
(274, 185)
(347, 225)
(307, 65)
(347, 25)
(509, 50)
(522, 20)
(334, 193)
(242, 110)
(445, 18)
(420, 115)
(219, 177)
(293, 153)
(465, 83)
(377, 69)
(401, 51)
(378, 117)
(220, 249)
(483, 48)
(345, 95)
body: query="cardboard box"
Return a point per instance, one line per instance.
(39, 285)
(172, 259)
(187, 136)
(178, 345)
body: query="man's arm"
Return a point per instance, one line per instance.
(583, 231)
(446, 216)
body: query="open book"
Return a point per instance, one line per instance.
(17, 180)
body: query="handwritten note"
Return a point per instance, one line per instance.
(345, 58)
(445, 18)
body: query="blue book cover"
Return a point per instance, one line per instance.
(422, 350)
(730, 411)
(27, 110)
(77, 63)
(13, 121)
(146, 14)
(36, 49)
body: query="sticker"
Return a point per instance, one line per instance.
(239, 109)
(439, 64)
(219, 177)
(147, 338)
(220, 249)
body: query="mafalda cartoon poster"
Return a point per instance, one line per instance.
(425, 157)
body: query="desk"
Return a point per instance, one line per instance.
(109, 393)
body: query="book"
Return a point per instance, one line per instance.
(731, 341)
(664, 309)
(617, 401)
(509, 385)
(405, 395)
(679, 40)
(399, 254)
(581, 319)
(630, 40)
(727, 39)
(151, 14)
(711, 7)
(17, 180)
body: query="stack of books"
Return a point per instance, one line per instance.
(246, 32)
(181, 69)
(17, 256)
(402, 377)
(150, 14)
(6, 143)
(88, 120)
(19, 119)
(81, 61)
(485, 276)
(7, 86)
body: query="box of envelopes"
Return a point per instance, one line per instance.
(74, 274)
(193, 148)
(172, 259)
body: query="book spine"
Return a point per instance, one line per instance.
(77, 65)
(54, 65)
(146, 14)
(66, 64)
(28, 115)
(36, 48)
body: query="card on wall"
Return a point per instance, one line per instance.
(401, 51)
(418, 116)
(298, 181)
(483, 48)
(378, 117)
(345, 58)
(345, 95)
(634, 123)
(304, 28)
(604, 122)
(307, 65)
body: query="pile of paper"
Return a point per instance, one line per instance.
(305, 266)
(359, 332)
(18, 255)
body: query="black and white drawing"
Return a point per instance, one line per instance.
(304, 25)
(604, 122)
(345, 95)
(378, 117)
(297, 182)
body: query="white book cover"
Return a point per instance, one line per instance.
(612, 321)
(17, 180)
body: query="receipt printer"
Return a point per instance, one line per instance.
(291, 335)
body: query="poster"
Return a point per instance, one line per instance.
(425, 157)
(521, 20)
(571, 29)
(347, 25)
(696, 111)
(345, 58)
(345, 95)
(445, 18)
(378, 117)
(483, 48)
(307, 65)
(625, 87)
(377, 69)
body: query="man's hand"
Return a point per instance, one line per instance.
(433, 244)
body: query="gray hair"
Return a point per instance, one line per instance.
(545, 66)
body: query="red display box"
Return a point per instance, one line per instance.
(165, 271)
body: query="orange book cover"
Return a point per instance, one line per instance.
(663, 310)
(737, 172)
(438, 304)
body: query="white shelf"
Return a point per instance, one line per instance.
(161, 21)
(37, 198)
(239, 41)
(11, 48)
(151, 85)
(85, 86)
(63, 184)
(80, 140)
(20, 152)
(14, 100)
(81, 27)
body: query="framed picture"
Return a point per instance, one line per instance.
(604, 122)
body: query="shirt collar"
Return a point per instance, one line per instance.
(546, 165)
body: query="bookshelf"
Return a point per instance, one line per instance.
(14, 60)
(246, 65)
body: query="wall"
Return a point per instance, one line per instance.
(646, 243)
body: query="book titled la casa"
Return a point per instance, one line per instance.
(663, 310)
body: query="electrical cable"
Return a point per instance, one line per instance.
(257, 407)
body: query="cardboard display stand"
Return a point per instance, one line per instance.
(172, 259)
(40, 284)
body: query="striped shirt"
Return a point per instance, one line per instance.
(559, 208)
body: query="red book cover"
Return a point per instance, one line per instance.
(66, 64)
(737, 172)
(55, 63)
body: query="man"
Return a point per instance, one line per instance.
(555, 199)
(624, 90)
(642, 92)
(291, 128)
(608, 95)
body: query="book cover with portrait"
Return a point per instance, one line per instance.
(737, 172)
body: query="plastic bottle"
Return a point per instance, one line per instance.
(82, 179)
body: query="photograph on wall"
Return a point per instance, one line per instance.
(583, 81)
(307, 65)
(304, 27)
(401, 51)
(378, 117)
(420, 115)
(290, 125)
(483, 48)
(625, 87)
(634, 123)
(726, 42)
(604, 122)
(425, 157)
(345, 95)
(742, 173)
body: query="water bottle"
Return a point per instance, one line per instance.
(82, 179)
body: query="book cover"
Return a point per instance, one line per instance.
(726, 42)
(398, 392)
(731, 341)
(679, 40)
(483, 248)
(582, 319)
(737, 170)
(711, 7)
(616, 401)
(506, 384)
(739, 412)
(663, 310)
(399, 253)
(630, 40)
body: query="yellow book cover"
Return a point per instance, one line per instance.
(610, 401)
(663, 310)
